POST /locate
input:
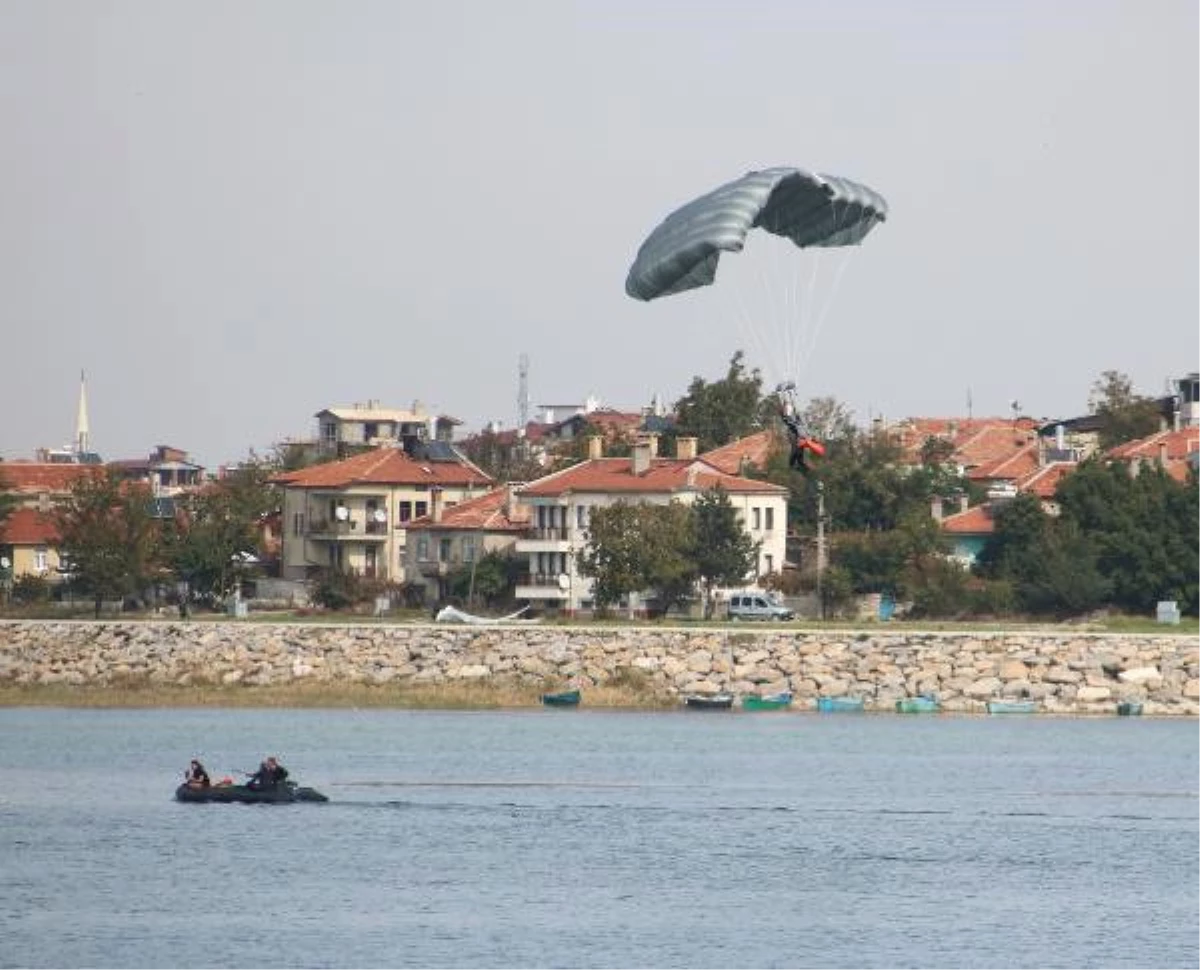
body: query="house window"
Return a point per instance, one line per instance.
(756, 512)
(297, 523)
(468, 545)
(768, 563)
(581, 516)
(405, 511)
(770, 516)
(421, 508)
(444, 550)
(423, 549)
(39, 559)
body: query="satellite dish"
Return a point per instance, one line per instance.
(342, 513)
(380, 515)
(564, 581)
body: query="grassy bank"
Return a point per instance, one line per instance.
(452, 696)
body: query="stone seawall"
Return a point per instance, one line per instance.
(1068, 673)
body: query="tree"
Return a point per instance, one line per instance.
(639, 547)
(108, 537)
(8, 500)
(1124, 415)
(722, 551)
(724, 410)
(491, 579)
(215, 540)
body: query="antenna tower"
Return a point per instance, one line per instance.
(522, 391)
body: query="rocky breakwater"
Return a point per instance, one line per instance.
(1066, 672)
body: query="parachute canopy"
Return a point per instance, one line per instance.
(809, 209)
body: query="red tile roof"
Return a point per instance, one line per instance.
(1179, 448)
(754, 449)
(384, 466)
(1008, 467)
(490, 512)
(33, 476)
(974, 521)
(28, 527)
(975, 440)
(1042, 482)
(664, 476)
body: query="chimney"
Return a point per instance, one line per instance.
(685, 448)
(595, 447)
(643, 451)
(435, 504)
(1162, 455)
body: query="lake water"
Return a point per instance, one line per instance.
(600, 839)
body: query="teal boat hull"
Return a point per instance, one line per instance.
(1129, 709)
(1011, 707)
(839, 705)
(767, 702)
(917, 705)
(563, 698)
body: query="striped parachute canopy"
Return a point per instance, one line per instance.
(809, 209)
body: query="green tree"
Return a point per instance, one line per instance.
(108, 537)
(1124, 414)
(637, 547)
(1144, 529)
(492, 579)
(722, 553)
(724, 410)
(8, 499)
(215, 541)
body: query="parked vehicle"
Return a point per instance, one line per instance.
(757, 606)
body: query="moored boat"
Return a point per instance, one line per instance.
(282, 794)
(562, 698)
(1011, 707)
(708, 702)
(767, 702)
(839, 705)
(918, 705)
(1129, 709)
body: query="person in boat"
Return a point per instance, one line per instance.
(196, 776)
(802, 444)
(269, 775)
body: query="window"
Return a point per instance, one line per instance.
(444, 550)
(420, 508)
(756, 512)
(39, 559)
(768, 563)
(468, 544)
(581, 516)
(770, 513)
(423, 549)
(297, 523)
(405, 511)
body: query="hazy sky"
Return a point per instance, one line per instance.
(235, 214)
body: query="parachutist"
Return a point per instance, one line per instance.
(801, 443)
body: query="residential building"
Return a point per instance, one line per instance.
(450, 538)
(167, 471)
(353, 514)
(343, 431)
(28, 537)
(560, 505)
(1174, 451)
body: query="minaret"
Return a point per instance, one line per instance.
(81, 420)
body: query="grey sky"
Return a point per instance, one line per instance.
(234, 214)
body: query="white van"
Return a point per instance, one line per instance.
(757, 606)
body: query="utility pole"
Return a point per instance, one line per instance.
(822, 560)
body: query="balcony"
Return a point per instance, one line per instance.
(352, 530)
(546, 539)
